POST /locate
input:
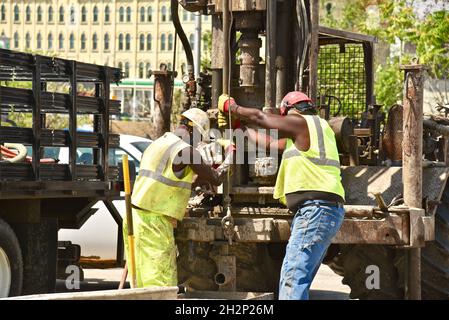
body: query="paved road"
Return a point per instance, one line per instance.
(326, 286)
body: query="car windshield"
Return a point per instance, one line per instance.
(141, 145)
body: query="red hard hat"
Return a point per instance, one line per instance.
(295, 97)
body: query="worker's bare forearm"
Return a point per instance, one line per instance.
(287, 127)
(265, 141)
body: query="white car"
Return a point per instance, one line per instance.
(98, 236)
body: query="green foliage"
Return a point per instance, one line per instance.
(397, 21)
(388, 86)
(207, 53)
(432, 43)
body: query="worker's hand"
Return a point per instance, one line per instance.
(223, 121)
(227, 144)
(211, 153)
(225, 102)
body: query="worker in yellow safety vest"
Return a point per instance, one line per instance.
(162, 191)
(308, 182)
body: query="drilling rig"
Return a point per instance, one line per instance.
(394, 162)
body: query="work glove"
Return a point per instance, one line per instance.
(227, 144)
(224, 103)
(211, 153)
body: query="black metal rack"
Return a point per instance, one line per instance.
(40, 70)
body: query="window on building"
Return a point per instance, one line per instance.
(169, 66)
(128, 14)
(121, 13)
(39, 14)
(95, 42)
(106, 42)
(16, 39)
(141, 42)
(163, 42)
(28, 14)
(170, 42)
(142, 14)
(50, 14)
(120, 42)
(61, 14)
(83, 14)
(206, 18)
(50, 41)
(39, 41)
(107, 14)
(150, 14)
(148, 70)
(192, 40)
(141, 70)
(83, 42)
(16, 13)
(192, 16)
(128, 42)
(126, 69)
(120, 66)
(163, 14)
(72, 15)
(149, 42)
(3, 13)
(72, 42)
(95, 17)
(28, 41)
(185, 15)
(61, 41)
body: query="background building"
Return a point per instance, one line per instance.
(135, 35)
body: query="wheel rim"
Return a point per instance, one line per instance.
(5, 274)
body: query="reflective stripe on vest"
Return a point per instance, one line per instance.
(322, 160)
(157, 175)
(317, 169)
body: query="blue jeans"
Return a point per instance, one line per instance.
(312, 230)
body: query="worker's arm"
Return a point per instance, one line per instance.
(191, 157)
(265, 141)
(288, 127)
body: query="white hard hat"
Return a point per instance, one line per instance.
(199, 120)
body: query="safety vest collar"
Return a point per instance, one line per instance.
(322, 160)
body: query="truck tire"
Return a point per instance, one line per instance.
(258, 265)
(11, 266)
(39, 245)
(353, 260)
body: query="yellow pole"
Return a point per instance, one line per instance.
(129, 218)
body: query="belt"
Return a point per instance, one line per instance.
(320, 203)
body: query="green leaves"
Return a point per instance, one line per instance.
(398, 22)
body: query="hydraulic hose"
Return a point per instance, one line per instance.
(182, 36)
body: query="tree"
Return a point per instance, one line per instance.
(399, 23)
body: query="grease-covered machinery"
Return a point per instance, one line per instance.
(393, 194)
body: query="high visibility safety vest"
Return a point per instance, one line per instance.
(317, 169)
(157, 189)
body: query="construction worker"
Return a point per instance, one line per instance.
(161, 193)
(308, 182)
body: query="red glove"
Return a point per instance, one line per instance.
(225, 102)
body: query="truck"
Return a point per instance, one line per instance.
(38, 194)
(394, 161)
